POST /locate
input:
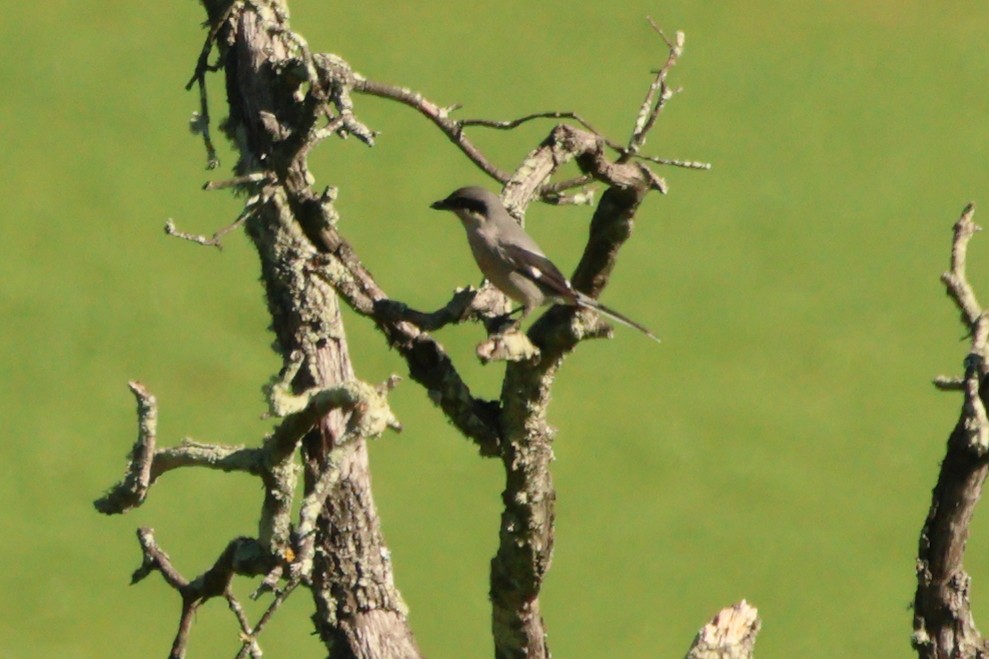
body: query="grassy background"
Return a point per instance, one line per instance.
(779, 446)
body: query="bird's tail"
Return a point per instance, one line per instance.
(591, 303)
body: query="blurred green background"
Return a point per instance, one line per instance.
(779, 446)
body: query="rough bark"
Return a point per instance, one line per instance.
(359, 612)
(279, 94)
(943, 624)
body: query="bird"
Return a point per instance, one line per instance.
(511, 260)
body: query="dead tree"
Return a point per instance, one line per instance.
(283, 101)
(943, 624)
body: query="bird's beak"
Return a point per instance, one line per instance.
(440, 205)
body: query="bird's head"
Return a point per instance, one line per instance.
(473, 205)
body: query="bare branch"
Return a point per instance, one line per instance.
(335, 75)
(659, 92)
(250, 645)
(172, 230)
(486, 305)
(551, 191)
(279, 95)
(730, 634)
(566, 143)
(428, 362)
(672, 162)
(552, 114)
(438, 115)
(955, 279)
(190, 453)
(155, 558)
(943, 621)
(132, 490)
(248, 637)
(239, 181)
(977, 322)
(458, 309)
(527, 532)
(148, 463)
(272, 462)
(242, 556)
(200, 121)
(214, 240)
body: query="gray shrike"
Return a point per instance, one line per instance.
(512, 261)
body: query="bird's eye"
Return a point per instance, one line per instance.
(467, 204)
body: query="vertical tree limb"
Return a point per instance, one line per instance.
(943, 623)
(359, 612)
(526, 537)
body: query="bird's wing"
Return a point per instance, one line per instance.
(539, 270)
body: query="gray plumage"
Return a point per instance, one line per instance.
(511, 260)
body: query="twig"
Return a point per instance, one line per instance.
(656, 97)
(248, 636)
(249, 645)
(155, 558)
(200, 123)
(437, 115)
(955, 279)
(199, 239)
(336, 77)
(214, 240)
(237, 181)
(552, 114)
(582, 198)
(659, 92)
(672, 162)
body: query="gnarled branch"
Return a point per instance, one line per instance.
(943, 623)
(284, 100)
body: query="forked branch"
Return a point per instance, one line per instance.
(277, 551)
(284, 100)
